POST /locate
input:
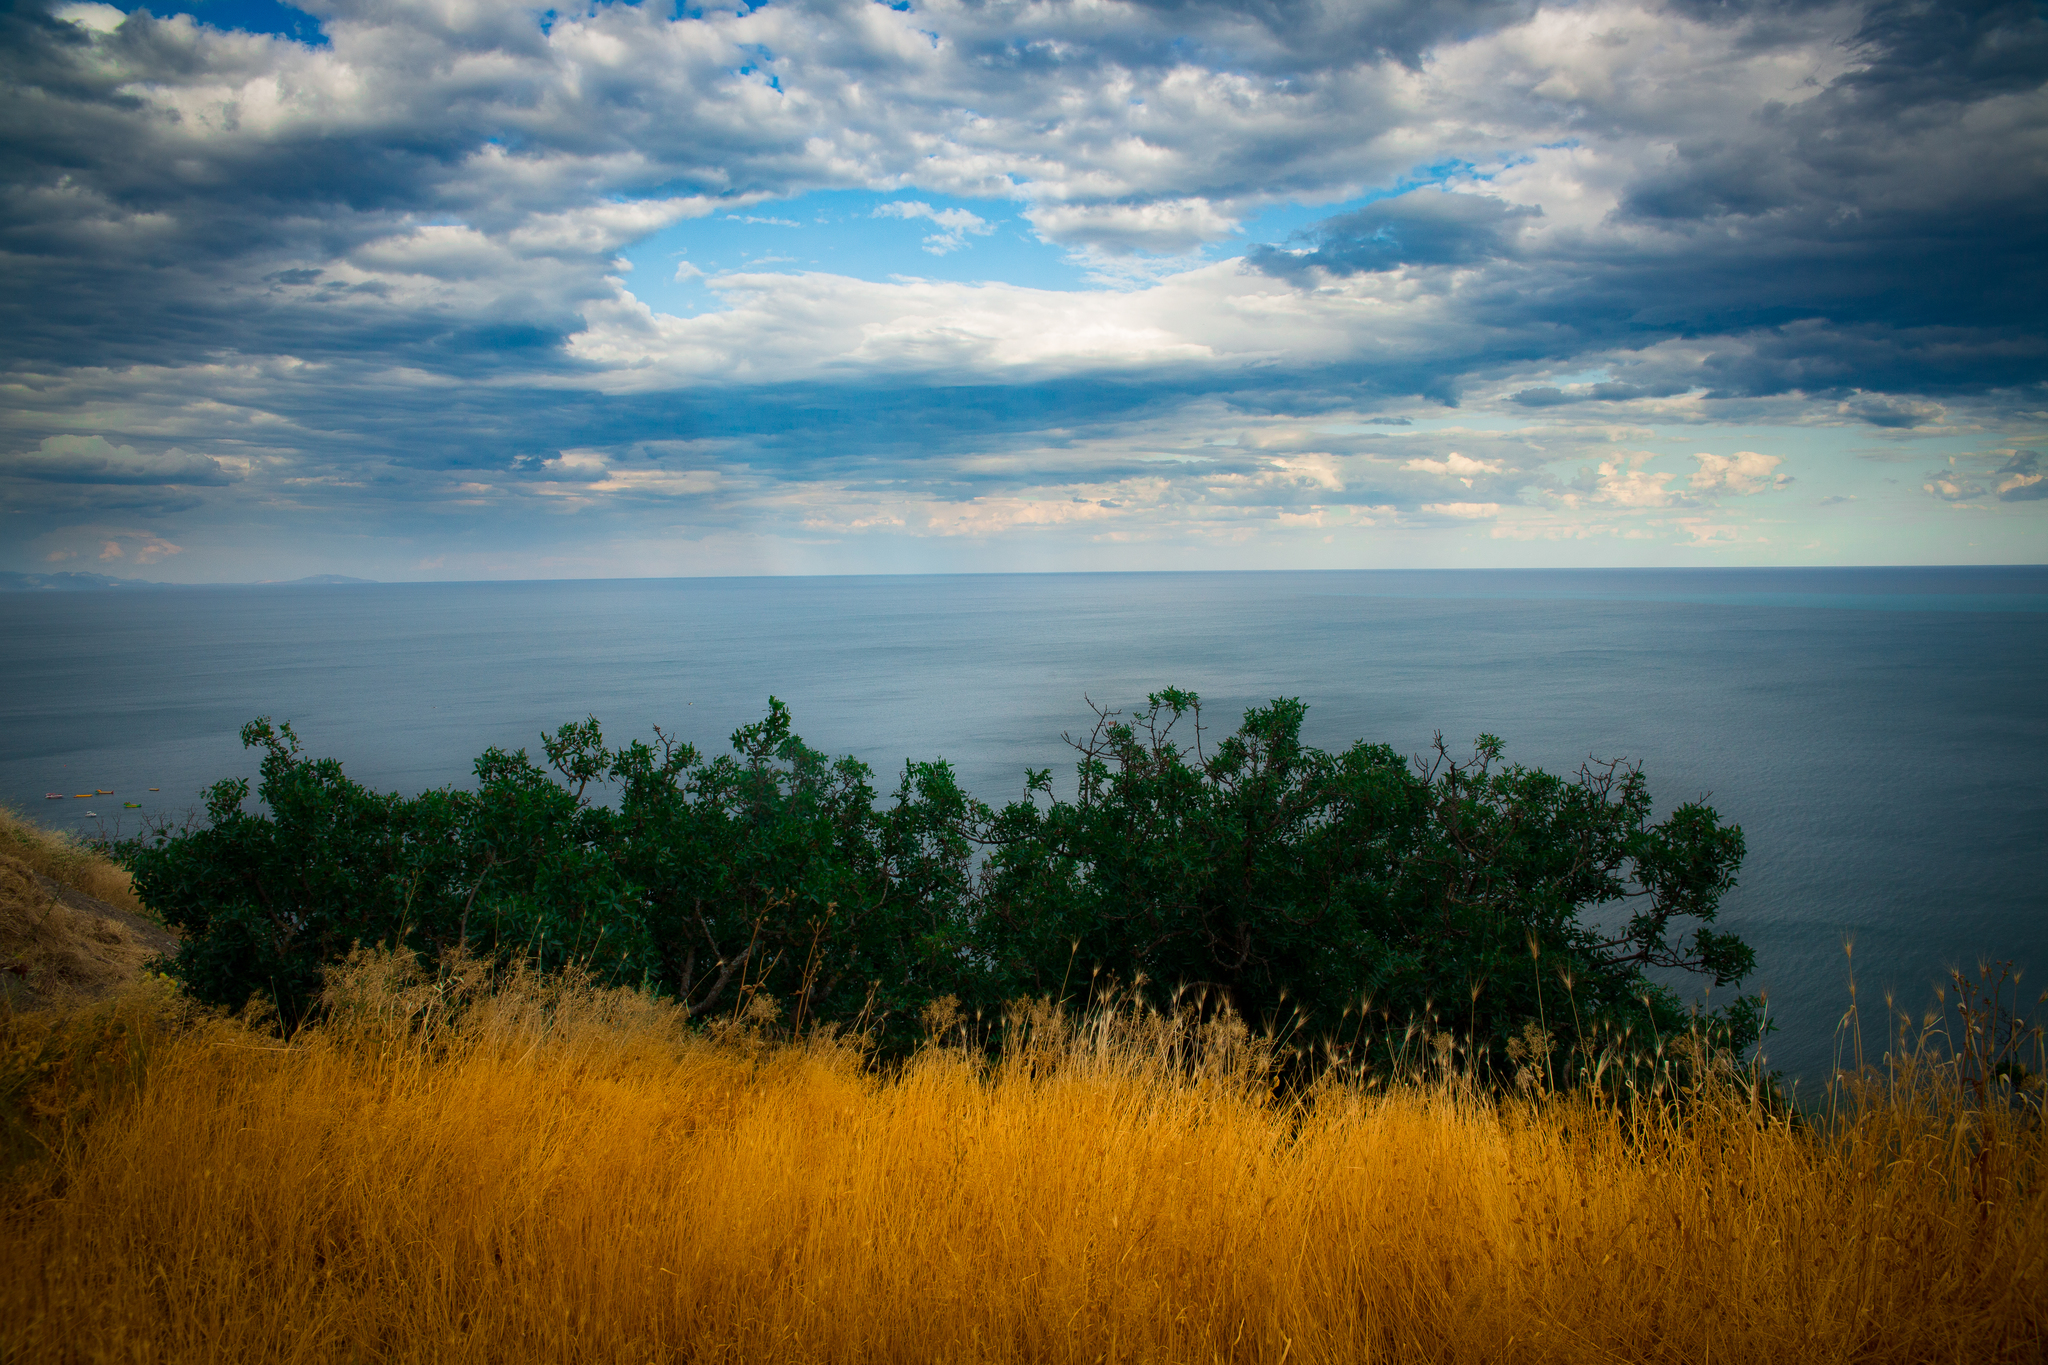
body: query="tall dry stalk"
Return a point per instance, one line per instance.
(449, 1171)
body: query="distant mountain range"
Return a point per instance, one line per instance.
(99, 582)
(314, 579)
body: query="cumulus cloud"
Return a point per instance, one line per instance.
(1140, 128)
(382, 270)
(1463, 468)
(1952, 486)
(1744, 473)
(781, 328)
(2005, 476)
(2022, 478)
(1626, 483)
(139, 546)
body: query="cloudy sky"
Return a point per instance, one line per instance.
(469, 289)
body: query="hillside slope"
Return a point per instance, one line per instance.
(71, 929)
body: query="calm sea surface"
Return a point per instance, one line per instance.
(1880, 734)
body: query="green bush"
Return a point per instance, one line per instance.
(1332, 897)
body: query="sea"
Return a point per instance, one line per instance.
(1880, 734)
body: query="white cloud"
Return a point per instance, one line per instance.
(95, 17)
(384, 272)
(144, 547)
(953, 224)
(1463, 468)
(585, 477)
(1168, 226)
(1625, 483)
(1316, 467)
(1214, 319)
(819, 326)
(582, 465)
(1744, 473)
(1951, 487)
(600, 229)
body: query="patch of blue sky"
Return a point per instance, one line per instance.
(1422, 419)
(857, 233)
(1284, 223)
(912, 233)
(1278, 224)
(249, 16)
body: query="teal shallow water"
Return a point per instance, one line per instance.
(1880, 734)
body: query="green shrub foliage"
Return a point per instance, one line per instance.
(1331, 897)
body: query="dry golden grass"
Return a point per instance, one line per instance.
(550, 1172)
(61, 859)
(71, 928)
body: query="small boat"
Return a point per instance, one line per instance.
(156, 789)
(83, 796)
(131, 805)
(102, 792)
(53, 796)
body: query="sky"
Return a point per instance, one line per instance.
(465, 289)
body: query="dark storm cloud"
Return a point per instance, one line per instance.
(1850, 210)
(1425, 227)
(94, 461)
(1888, 235)
(217, 219)
(1895, 414)
(152, 231)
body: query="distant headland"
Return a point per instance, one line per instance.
(99, 582)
